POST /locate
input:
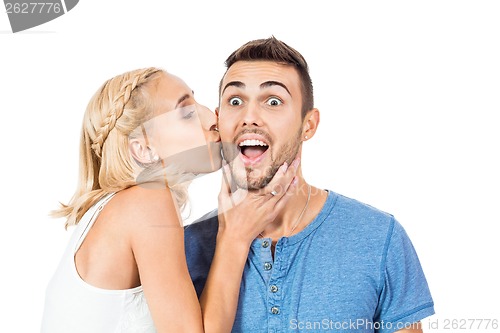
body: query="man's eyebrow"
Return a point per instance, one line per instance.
(182, 99)
(237, 84)
(274, 83)
(266, 84)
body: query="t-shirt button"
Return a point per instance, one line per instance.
(265, 244)
(274, 288)
(275, 310)
(268, 266)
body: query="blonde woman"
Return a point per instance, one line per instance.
(144, 137)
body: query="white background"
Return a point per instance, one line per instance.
(409, 100)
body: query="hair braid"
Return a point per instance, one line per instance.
(119, 103)
(117, 109)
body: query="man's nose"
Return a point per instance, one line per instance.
(252, 115)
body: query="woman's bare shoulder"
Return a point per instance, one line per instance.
(138, 206)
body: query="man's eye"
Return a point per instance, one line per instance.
(188, 115)
(235, 101)
(273, 101)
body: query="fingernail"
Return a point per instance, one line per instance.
(296, 162)
(284, 167)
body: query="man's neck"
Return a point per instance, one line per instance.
(300, 210)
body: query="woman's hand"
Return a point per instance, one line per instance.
(244, 214)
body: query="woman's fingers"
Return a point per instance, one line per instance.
(272, 192)
(288, 194)
(225, 189)
(244, 214)
(227, 198)
(281, 181)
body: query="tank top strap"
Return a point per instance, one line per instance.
(88, 222)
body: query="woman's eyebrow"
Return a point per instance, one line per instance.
(182, 99)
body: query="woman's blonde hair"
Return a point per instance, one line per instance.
(120, 106)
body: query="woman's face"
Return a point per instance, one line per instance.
(182, 132)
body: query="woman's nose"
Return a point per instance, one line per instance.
(208, 122)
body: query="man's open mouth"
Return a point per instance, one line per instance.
(252, 150)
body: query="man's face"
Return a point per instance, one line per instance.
(260, 120)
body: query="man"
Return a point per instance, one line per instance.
(327, 262)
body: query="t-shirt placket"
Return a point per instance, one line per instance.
(273, 272)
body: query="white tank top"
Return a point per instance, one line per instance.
(74, 306)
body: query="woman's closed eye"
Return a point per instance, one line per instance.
(187, 112)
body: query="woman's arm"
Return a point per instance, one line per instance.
(156, 238)
(157, 243)
(242, 216)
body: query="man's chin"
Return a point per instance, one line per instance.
(252, 183)
(255, 185)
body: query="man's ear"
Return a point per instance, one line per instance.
(142, 153)
(310, 124)
(217, 117)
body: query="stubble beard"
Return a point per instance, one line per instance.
(256, 179)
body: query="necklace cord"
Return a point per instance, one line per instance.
(300, 216)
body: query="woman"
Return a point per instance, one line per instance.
(124, 269)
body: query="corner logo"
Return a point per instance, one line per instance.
(25, 14)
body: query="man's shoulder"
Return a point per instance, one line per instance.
(204, 227)
(200, 237)
(357, 207)
(359, 217)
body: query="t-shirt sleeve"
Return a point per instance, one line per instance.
(405, 297)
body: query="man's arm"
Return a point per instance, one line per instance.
(410, 302)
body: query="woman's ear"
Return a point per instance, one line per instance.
(142, 153)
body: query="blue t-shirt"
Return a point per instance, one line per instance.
(352, 269)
